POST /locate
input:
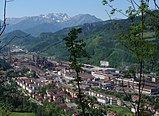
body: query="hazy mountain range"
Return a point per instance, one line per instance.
(48, 23)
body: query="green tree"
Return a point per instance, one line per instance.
(76, 48)
(134, 41)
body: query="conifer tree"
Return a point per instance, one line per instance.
(76, 49)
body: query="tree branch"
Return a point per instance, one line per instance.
(15, 36)
(3, 26)
(156, 5)
(128, 98)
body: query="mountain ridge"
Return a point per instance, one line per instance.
(54, 21)
(100, 39)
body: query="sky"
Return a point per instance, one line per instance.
(20, 8)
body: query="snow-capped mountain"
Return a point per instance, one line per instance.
(49, 18)
(48, 23)
(57, 17)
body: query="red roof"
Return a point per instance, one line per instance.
(86, 76)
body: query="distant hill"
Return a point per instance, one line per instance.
(101, 42)
(48, 23)
(100, 38)
(17, 37)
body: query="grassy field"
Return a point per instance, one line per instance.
(22, 114)
(121, 111)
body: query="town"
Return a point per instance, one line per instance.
(106, 85)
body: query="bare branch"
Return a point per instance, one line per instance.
(15, 36)
(128, 98)
(156, 5)
(3, 26)
(131, 2)
(135, 3)
(116, 9)
(108, 15)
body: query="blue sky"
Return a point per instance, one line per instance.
(20, 8)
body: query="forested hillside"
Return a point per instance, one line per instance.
(101, 42)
